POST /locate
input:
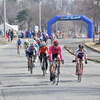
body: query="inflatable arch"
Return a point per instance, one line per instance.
(71, 17)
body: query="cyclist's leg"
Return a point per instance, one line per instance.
(46, 61)
(28, 62)
(59, 63)
(40, 57)
(77, 65)
(82, 64)
(17, 47)
(34, 57)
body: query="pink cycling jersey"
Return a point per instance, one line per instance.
(52, 50)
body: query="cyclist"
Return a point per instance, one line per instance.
(38, 41)
(46, 38)
(32, 51)
(81, 53)
(19, 44)
(55, 51)
(36, 45)
(43, 51)
(52, 39)
(41, 39)
(26, 45)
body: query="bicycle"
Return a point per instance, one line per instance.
(32, 65)
(18, 49)
(56, 71)
(44, 64)
(79, 69)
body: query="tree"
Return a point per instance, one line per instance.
(23, 16)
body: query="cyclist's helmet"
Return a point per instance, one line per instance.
(26, 41)
(19, 39)
(37, 39)
(34, 42)
(41, 38)
(32, 45)
(56, 43)
(81, 45)
(43, 44)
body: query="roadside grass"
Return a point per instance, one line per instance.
(3, 42)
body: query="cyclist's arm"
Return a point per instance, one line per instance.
(39, 51)
(47, 51)
(50, 53)
(61, 54)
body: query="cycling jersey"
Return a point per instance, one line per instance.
(31, 51)
(43, 50)
(81, 54)
(26, 43)
(39, 42)
(52, 51)
(19, 42)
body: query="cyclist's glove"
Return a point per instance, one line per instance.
(86, 61)
(62, 61)
(74, 60)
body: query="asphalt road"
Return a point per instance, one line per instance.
(73, 45)
(16, 83)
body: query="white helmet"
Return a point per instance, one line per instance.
(41, 38)
(46, 34)
(32, 45)
(26, 40)
(43, 44)
(37, 39)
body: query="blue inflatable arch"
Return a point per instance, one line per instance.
(71, 17)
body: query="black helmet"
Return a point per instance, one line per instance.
(81, 45)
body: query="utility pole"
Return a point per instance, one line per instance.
(4, 5)
(39, 15)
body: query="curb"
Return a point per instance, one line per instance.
(70, 51)
(92, 48)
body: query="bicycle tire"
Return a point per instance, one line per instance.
(80, 74)
(31, 70)
(43, 68)
(31, 66)
(54, 78)
(57, 77)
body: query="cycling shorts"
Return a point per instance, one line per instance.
(81, 57)
(30, 54)
(54, 56)
(19, 44)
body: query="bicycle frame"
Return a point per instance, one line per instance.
(44, 64)
(31, 64)
(80, 70)
(55, 71)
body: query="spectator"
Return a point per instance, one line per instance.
(12, 35)
(9, 35)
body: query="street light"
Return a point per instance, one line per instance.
(39, 14)
(4, 3)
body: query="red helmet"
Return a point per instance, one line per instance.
(56, 43)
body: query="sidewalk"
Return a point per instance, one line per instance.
(92, 50)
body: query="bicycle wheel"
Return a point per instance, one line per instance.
(54, 78)
(31, 66)
(57, 76)
(79, 73)
(44, 68)
(54, 74)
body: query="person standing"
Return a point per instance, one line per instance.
(12, 35)
(9, 35)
